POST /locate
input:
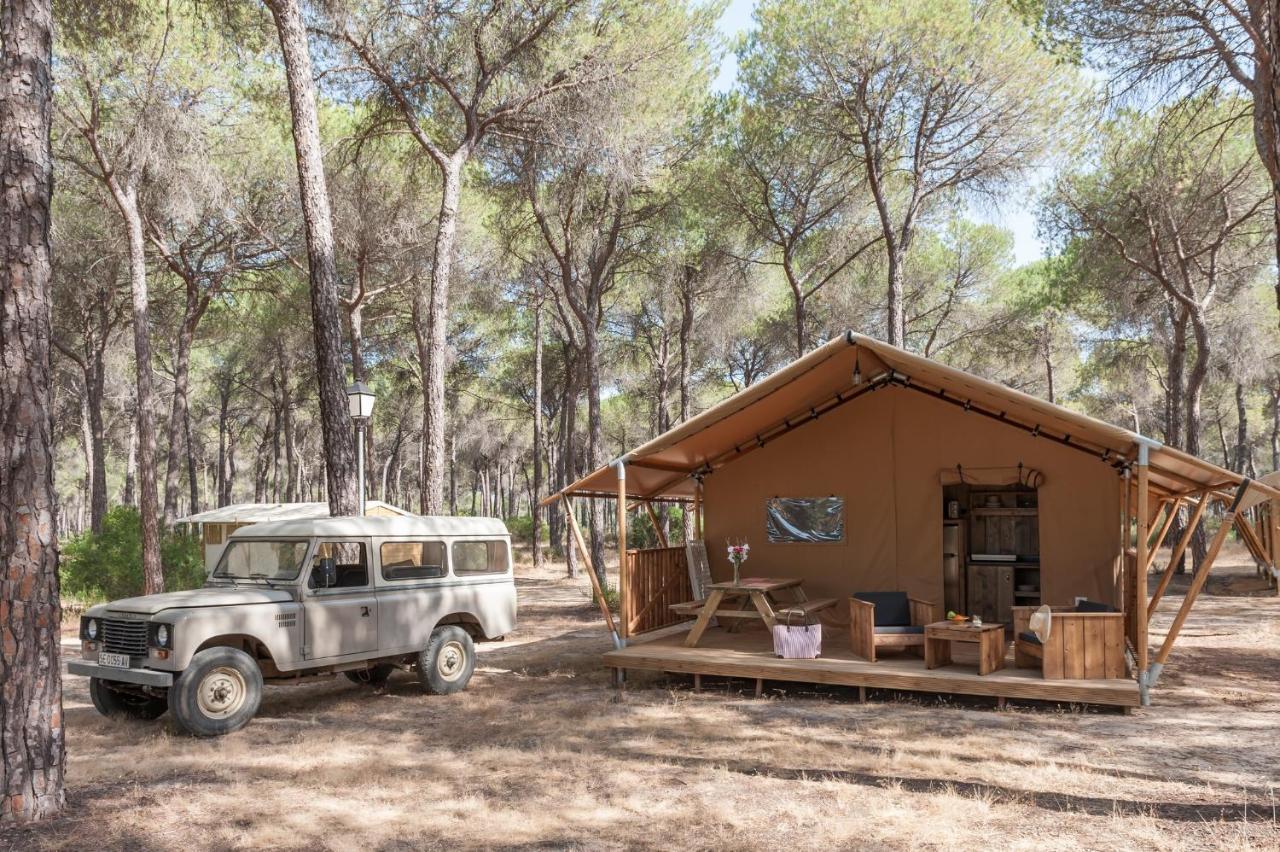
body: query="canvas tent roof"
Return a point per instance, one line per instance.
(254, 513)
(666, 467)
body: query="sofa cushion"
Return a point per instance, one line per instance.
(1094, 606)
(895, 629)
(892, 609)
(1030, 637)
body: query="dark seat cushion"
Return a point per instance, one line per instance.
(892, 609)
(898, 629)
(1030, 637)
(1094, 606)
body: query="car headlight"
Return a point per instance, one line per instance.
(91, 629)
(162, 635)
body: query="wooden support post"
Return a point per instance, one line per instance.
(1140, 564)
(1201, 575)
(1173, 508)
(697, 682)
(1178, 549)
(1001, 702)
(591, 570)
(657, 527)
(759, 687)
(624, 578)
(1127, 492)
(862, 695)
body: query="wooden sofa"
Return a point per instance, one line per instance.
(888, 620)
(1081, 645)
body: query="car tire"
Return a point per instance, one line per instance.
(374, 676)
(112, 703)
(218, 693)
(446, 664)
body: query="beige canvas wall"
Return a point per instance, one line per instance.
(885, 454)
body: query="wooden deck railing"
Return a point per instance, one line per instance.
(655, 579)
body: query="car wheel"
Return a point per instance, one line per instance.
(218, 693)
(112, 702)
(446, 664)
(374, 676)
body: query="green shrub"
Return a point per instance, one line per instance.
(108, 566)
(641, 534)
(521, 529)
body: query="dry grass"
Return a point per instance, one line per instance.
(539, 751)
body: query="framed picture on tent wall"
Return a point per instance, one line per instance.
(804, 520)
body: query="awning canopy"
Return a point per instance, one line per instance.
(841, 371)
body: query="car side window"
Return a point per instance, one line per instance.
(352, 563)
(479, 557)
(412, 560)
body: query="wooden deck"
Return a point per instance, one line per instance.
(749, 654)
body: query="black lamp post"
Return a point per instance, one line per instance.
(360, 404)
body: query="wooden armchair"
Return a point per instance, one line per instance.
(887, 620)
(1084, 642)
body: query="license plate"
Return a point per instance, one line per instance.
(119, 661)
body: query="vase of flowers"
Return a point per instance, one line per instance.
(737, 555)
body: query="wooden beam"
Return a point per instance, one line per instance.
(1201, 575)
(624, 579)
(1251, 542)
(591, 570)
(657, 527)
(1140, 567)
(657, 465)
(1173, 508)
(1178, 549)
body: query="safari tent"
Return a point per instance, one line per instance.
(864, 468)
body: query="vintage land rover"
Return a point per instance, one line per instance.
(291, 600)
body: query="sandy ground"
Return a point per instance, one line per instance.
(541, 752)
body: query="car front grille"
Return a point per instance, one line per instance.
(124, 637)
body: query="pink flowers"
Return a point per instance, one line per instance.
(737, 555)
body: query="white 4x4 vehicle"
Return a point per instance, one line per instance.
(289, 600)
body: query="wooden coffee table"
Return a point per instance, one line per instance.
(989, 638)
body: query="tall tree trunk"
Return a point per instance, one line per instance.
(126, 198)
(193, 483)
(1275, 428)
(129, 491)
(335, 421)
(567, 470)
(453, 476)
(535, 510)
(431, 324)
(686, 338)
(94, 387)
(286, 416)
(1244, 453)
(176, 431)
(31, 735)
(223, 477)
(595, 442)
(1195, 386)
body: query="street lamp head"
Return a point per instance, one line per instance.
(360, 401)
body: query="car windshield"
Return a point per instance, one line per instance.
(261, 560)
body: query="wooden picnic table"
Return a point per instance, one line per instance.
(755, 599)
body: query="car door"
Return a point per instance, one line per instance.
(342, 620)
(413, 591)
